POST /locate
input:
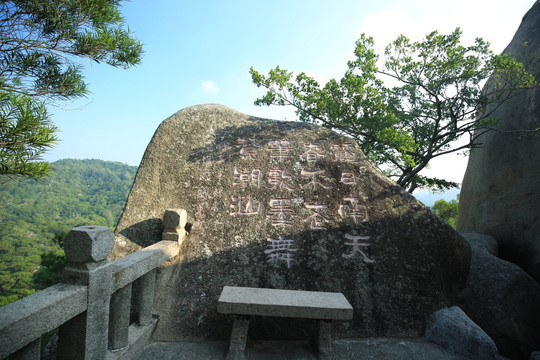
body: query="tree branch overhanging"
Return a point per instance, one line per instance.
(438, 99)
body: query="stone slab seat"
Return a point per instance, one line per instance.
(243, 302)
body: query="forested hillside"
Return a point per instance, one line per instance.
(35, 216)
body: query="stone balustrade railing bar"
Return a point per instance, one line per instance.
(23, 321)
(80, 305)
(131, 267)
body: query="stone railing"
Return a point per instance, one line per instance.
(92, 306)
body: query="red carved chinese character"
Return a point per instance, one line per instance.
(312, 153)
(245, 177)
(280, 249)
(279, 149)
(314, 182)
(241, 207)
(279, 178)
(356, 247)
(355, 210)
(248, 148)
(281, 212)
(317, 221)
(348, 177)
(344, 152)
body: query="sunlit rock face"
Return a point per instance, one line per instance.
(286, 205)
(501, 189)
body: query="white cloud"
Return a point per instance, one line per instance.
(210, 87)
(387, 25)
(494, 20)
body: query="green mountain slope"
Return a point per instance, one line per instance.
(33, 214)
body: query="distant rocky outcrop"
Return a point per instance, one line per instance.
(288, 205)
(504, 300)
(500, 195)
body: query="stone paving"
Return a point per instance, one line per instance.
(368, 348)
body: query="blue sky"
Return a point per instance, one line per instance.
(199, 52)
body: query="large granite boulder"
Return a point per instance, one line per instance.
(286, 205)
(500, 195)
(504, 301)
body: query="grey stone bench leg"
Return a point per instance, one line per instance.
(239, 333)
(324, 337)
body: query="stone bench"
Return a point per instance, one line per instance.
(244, 302)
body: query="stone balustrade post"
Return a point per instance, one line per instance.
(85, 336)
(119, 318)
(146, 297)
(174, 223)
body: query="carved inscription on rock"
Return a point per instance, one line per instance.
(295, 194)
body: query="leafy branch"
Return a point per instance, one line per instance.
(436, 96)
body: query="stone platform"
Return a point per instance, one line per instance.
(366, 348)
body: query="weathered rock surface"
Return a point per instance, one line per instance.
(481, 242)
(504, 303)
(500, 195)
(453, 329)
(286, 205)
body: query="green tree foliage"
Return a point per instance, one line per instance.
(25, 133)
(40, 42)
(448, 211)
(413, 108)
(36, 216)
(52, 264)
